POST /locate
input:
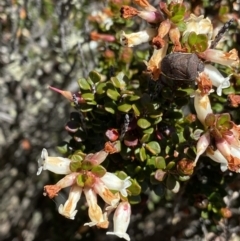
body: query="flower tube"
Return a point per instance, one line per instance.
(96, 158)
(101, 189)
(115, 183)
(67, 181)
(149, 16)
(133, 39)
(58, 165)
(94, 211)
(154, 63)
(121, 220)
(218, 157)
(217, 56)
(216, 78)
(68, 210)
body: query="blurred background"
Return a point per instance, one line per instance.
(47, 42)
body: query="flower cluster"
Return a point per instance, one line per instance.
(191, 35)
(142, 127)
(89, 177)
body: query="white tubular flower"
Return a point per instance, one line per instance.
(103, 191)
(121, 220)
(115, 183)
(217, 56)
(199, 25)
(94, 211)
(68, 210)
(133, 39)
(58, 165)
(202, 144)
(216, 78)
(218, 157)
(202, 106)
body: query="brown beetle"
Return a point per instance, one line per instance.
(181, 66)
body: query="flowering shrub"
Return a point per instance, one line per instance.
(136, 129)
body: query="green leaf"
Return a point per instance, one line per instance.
(170, 165)
(172, 184)
(99, 171)
(133, 97)
(145, 138)
(184, 178)
(174, 114)
(159, 190)
(113, 94)
(135, 188)
(223, 119)
(124, 107)
(88, 96)
(137, 109)
(174, 138)
(186, 132)
(116, 82)
(101, 88)
(160, 162)
(142, 154)
(75, 166)
(95, 76)
(204, 214)
(63, 147)
(80, 180)
(83, 84)
(210, 119)
(76, 158)
(86, 165)
(85, 107)
(110, 107)
(143, 123)
(153, 147)
(192, 38)
(122, 79)
(134, 199)
(148, 131)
